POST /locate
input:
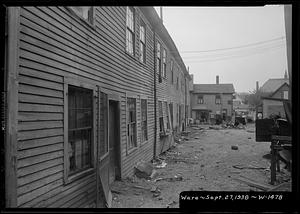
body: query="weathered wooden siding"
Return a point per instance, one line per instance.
(55, 44)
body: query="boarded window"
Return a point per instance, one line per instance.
(131, 126)
(144, 120)
(130, 30)
(80, 124)
(164, 71)
(218, 99)
(85, 13)
(142, 42)
(200, 99)
(103, 124)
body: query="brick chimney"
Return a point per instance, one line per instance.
(217, 79)
(285, 75)
(257, 86)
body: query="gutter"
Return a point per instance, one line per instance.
(155, 103)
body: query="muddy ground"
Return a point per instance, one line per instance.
(204, 161)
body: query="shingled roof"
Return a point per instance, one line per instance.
(272, 85)
(213, 88)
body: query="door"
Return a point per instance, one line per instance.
(114, 143)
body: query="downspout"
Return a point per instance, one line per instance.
(155, 113)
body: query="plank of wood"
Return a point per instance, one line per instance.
(39, 82)
(37, 116)
(39, 158)
(34, 91)
(33, 125)
(33, 134)
(32, 169)
(30, 98)
(29, 71)
(32, 107)
(39, 175)
(54, 194)
(39, 150)
(11, 70)
(24, 199)
(253, 183)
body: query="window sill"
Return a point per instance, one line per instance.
(79, 175)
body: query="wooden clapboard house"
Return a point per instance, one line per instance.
(82, 97)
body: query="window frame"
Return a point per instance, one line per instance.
(200, 98)
(142, 43)
(90, 20)
(164, 63)
(130, 149)
(172, 70)
(141, 116)
(158, 58)
(82, 84)
(131, 31)
(218, 97)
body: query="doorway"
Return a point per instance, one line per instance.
(114, 142)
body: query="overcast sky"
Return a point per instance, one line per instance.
(251, 39)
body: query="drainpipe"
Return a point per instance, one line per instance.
(155, 113)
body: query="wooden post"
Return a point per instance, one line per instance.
(12, 106)
(273, 162)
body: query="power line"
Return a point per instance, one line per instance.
(235, 52)
(241, 46)
(230, 57)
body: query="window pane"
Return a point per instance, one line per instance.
(80, 128)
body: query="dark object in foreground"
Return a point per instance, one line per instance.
(234, 147)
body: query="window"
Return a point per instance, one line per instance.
(103, 124)
(172, 73)
(164, 71)
(161, 118)
(80, 127)
(177, 83)
(167, 116)
(142, 42)
(230, 102)
(171, 113)
(158, 59)
(130, 30)
(285, 95)
(218, 99)
(182, 83)
(131, 126)
(200, 99)
(86, 13)
(144, 120)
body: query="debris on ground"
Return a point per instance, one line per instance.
(143, 170)
(185, 133)
(240, 166)
(250, 131)
(171, 179)
(249, 138)
(253, 183)
(171, 203)
(163, 164)
(234, 147)
(196, 137)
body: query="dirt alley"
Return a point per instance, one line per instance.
(206, 162)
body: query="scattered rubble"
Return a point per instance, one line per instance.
(144, 170)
